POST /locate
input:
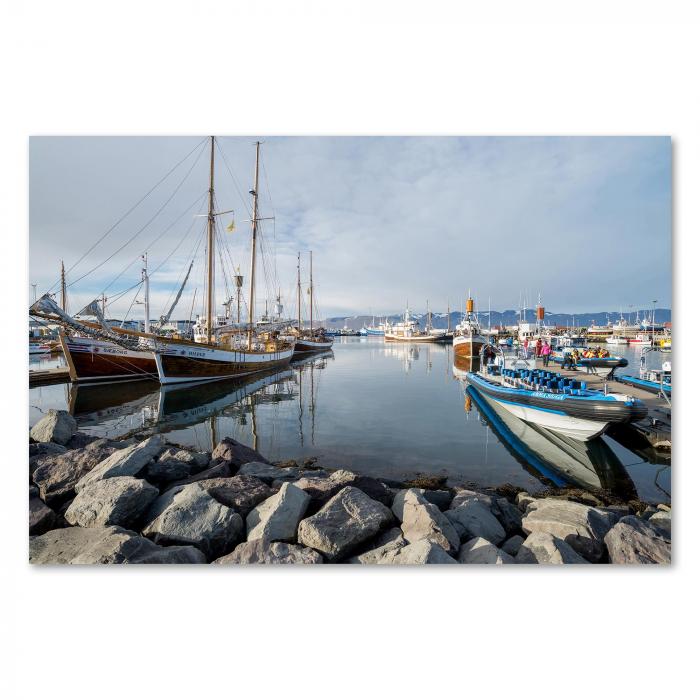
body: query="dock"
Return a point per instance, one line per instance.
(54, 375)
(653, 431)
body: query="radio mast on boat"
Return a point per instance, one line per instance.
(299, 288)
(64, 303)
(210, 248)
(311, 292)
(254, 192)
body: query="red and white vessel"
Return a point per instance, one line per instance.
(468, 339)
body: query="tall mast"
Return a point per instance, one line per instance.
(63, 286)
(311, 293)
(254, 234)
(210, 250)
(299, 287)
(448, 315)
(147, 305)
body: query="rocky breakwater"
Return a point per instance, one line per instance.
(100, 501)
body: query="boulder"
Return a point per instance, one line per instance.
(582, 527)
(121, 500)
(481, 551)
(523, 500)
(421, 520)
(263, 552)
(56, 475)
(196, 460)
(241, 492)
(220, 470)
(105, 545)
(277, 518)
(268, 472)
(382, 545)
(544, 548)
(228, 450)
(55, 426)
(165, 470)
(512, 545)
(37, 450)
(350, 518)
(661, 520)
(41, 517)
(127, 462)
(438, 497)
(464, 496)
(322, 489)
(420, 552)
(634, 541)
(665, 507)
(508, 515)
(475, 519)
(189, 515)
(80, 441)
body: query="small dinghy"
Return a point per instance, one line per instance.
(561, 404)
(653, 380)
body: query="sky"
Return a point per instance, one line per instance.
(584, 223)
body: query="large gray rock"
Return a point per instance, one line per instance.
(38, 450)
(382, 546)
(235, 453)
(421, 520)
(440, 498)
(350, 518)
(241, 492)
(166, 470)
(127, 462)
(269, 472)
(420, 552)
(322, 489)
(121, 500)
(189, 515)
(543, 548)
(277, 518)
(582, 527)
(481, 551)
(55, 426)
(262, 552)
(464, 496)
(523, 500)
(196, 460)
(41, 517)
(512, 545)
(634, 541)
(220, 470)
(661, 520)
(105, 545)
(475, 519)
(508, 515)
(57, 474)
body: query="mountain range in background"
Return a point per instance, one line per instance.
(509, 317)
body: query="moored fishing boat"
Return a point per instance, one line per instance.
(558, 403)
(641, 340)
(468, 340)
(408, 330)
(616, 340)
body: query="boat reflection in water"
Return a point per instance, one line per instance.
(551, 457)
(143, 408)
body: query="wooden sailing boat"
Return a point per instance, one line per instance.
(233, 352)
(310, 340)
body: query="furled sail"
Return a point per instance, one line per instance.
(48, 309)
(164, 319)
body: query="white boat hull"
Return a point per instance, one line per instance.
(577, 428)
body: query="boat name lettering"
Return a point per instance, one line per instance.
(545, 395)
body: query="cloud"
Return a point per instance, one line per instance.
(585, 221)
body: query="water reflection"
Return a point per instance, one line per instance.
(145, 407)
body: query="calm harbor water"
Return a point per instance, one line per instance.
(391, 410)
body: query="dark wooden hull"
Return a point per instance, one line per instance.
(305, 346)
(101, 361)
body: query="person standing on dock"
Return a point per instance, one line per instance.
(546, 352)
(538, 347)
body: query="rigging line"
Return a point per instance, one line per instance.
(272, 209)
(117, 297)
(197, 201)
(146, 225)
(130, 305)
(235, 182)
(175, 249)
(165, 177)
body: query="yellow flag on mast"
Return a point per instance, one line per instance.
(232, 226)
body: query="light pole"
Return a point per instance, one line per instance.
(653, 322)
